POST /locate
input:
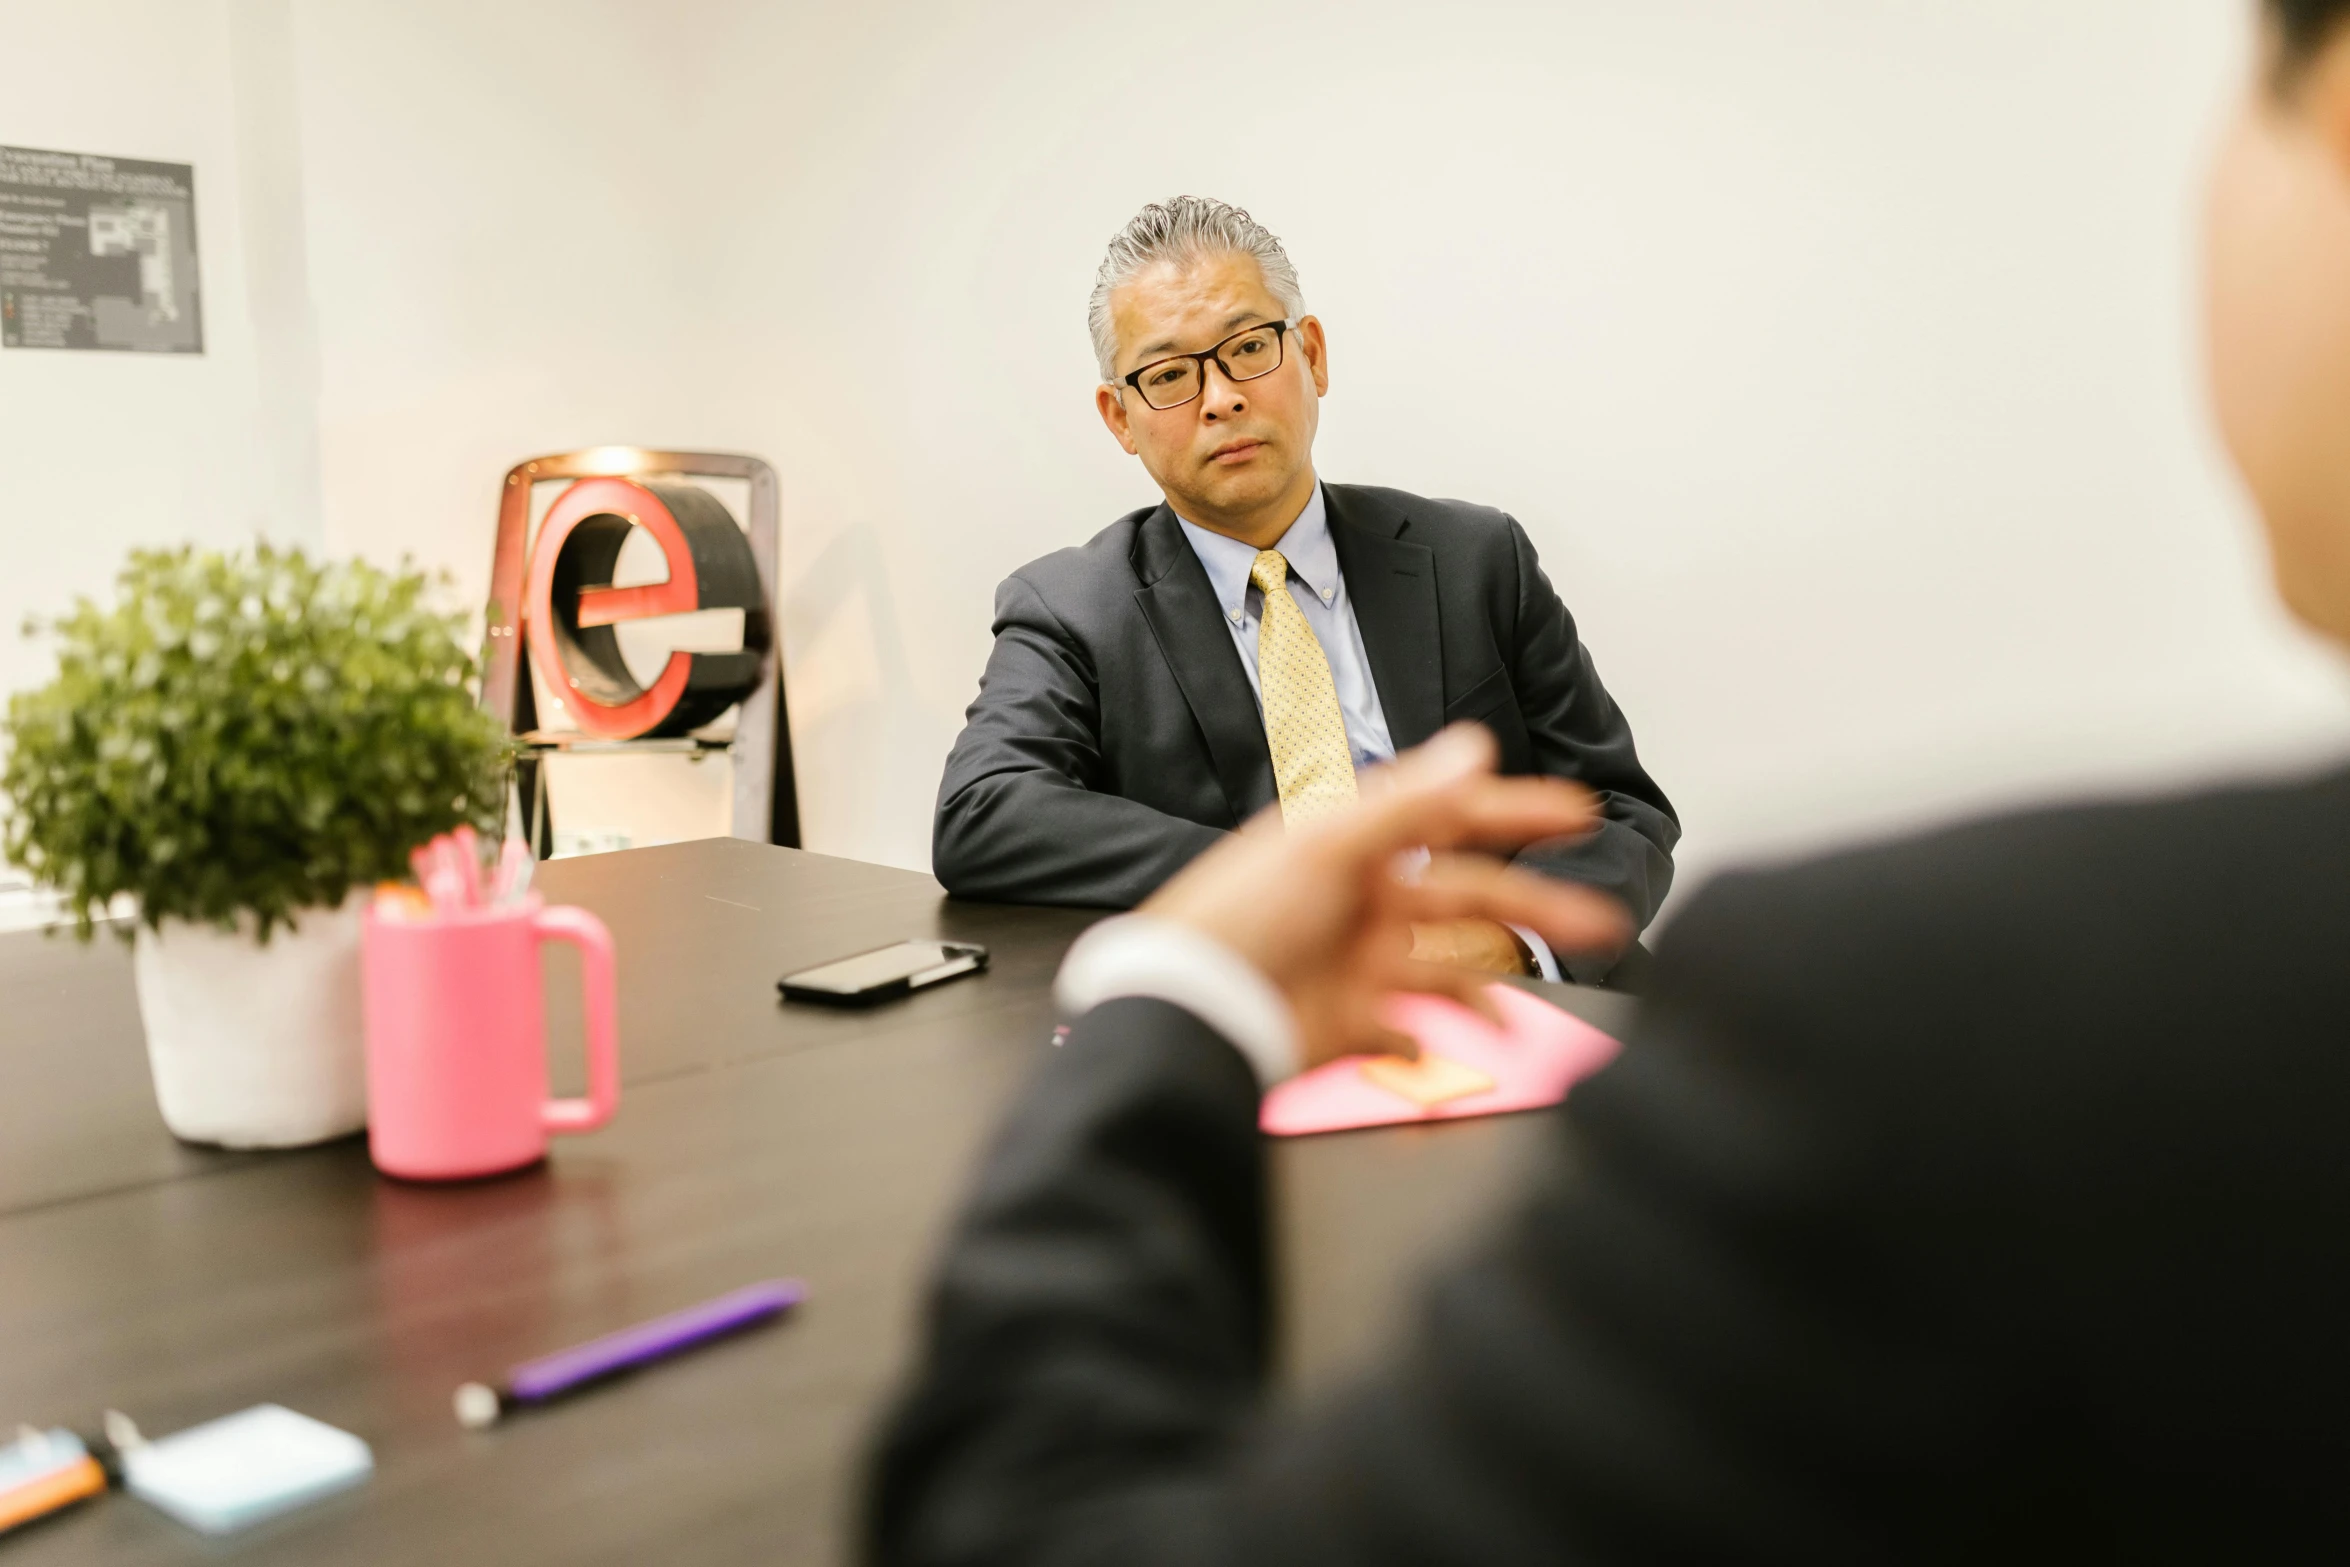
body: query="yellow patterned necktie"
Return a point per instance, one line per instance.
(1313, 765)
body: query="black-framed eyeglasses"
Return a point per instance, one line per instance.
(1177, 379)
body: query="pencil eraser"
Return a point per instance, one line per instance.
(477, 1406)
(242, 1468)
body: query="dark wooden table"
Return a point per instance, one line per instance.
(753, 1139)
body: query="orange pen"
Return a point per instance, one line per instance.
(49, 1471)
(397, 900)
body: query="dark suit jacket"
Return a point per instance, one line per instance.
(1115, 736)
(1979, 1198)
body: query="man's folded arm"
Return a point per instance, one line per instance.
(1578, 732)
(1020, 816)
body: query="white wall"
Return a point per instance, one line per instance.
(103, 451)
(1838, 355)
(502, 264)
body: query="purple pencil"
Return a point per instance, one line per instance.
(567, 1371)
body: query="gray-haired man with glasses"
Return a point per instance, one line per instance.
(1261, 636)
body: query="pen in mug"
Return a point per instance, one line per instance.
(465, 849)
(438, 873)
(514, 867)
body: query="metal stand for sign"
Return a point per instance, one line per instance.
(766, 797)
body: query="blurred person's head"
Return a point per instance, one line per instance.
(2277, 302)
(1229, 438)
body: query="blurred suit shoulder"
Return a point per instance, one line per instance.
(2185, 889)
(2151, 992)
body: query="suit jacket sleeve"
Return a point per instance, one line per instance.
(1022, 815)
(1723, 1335)
(1098, 1331)
(1577, 731)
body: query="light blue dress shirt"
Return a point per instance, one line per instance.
(1320, 591)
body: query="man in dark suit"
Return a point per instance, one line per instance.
(1977, 1198)
(1129, 717)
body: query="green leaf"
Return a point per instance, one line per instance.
(248, 732)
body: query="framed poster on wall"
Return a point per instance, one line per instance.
(98, 253)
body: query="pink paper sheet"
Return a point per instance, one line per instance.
(1533, 1062)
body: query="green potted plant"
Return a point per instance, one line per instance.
(234, 745)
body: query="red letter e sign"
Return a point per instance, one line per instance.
(570, 606)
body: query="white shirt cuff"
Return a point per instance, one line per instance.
(1143, 955)
(1546, 962)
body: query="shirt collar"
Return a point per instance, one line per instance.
(1306, 546)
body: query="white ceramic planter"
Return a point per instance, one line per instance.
(254, 1046)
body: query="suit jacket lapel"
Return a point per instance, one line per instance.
(1189, 625)
(1392, 585)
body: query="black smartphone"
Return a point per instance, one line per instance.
(883, 974)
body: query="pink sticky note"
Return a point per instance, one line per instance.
(1533, 1061)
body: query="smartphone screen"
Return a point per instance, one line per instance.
(909, 965)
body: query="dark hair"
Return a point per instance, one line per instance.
(2306, 26)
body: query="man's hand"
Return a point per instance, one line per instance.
(1325, 910)
(1481, 946)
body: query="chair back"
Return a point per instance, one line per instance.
(553, 607)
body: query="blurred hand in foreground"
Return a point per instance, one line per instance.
(1325, 909)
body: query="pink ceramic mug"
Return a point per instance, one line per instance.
(456, 1039)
